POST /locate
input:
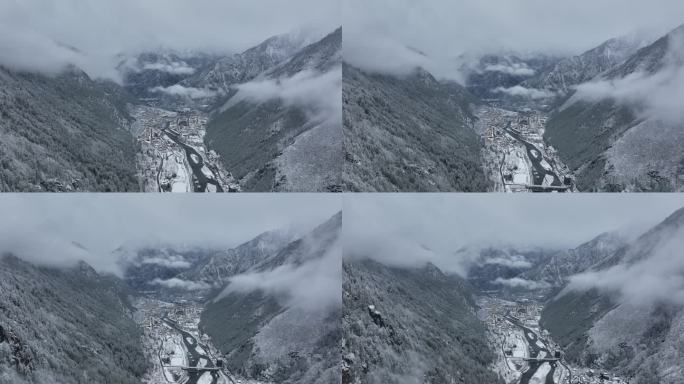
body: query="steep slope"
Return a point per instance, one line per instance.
(615, 145)
(63, 133)
(223, 264)
(410, 326)
(640, 336)
(408, 133)
(267, 337)
(66, 326)
(578, 69)
(277, 144)
(561, 265)
(234, 69)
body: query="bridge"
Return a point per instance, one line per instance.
(540, 188)
(535, 359)
(193, 369)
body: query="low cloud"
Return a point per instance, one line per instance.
(653, 95)
(517, 282)
(177, 283)
(37, 35)
(320, 94)
(657, 278)
(189, 92)
(449, 231)
(312, 285)
(515, 261)
(176, 68)
(171, 262)
(516, 69)
(530, 93)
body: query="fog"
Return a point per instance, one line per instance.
(312, 285)
(413, 229)
(59, 230)
(320, 94)
(45, 35)
(659, 278)
(394, 36)
(653, 95)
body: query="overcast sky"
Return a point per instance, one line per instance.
(411, 229)
(377, 33)
(31, 31)
(42, 227)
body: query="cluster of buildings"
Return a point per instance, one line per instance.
(164, 162)
(510, 340)
(507, 156)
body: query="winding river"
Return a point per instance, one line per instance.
(194, 356)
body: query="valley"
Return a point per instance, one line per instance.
(178, 352)
(174, 157)
(526, 353)
(515, 154)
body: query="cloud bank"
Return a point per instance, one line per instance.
(44, 35)
(318, 93)
(189, 92)
(516, 69)
(312, 285)
(659, 278)
(656, 96)
(59, 230)
(384, 35)
(173, 68)
(177, 283)
(529, 93)
(410, 230)
(517, 282)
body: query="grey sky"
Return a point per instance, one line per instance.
(41, 228)
(411, 229)
(31, 29)
(378, 32)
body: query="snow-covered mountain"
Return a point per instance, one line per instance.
(68, 325)
(281, 131)
(621, 130)
(409, 133)
(65, 132)
(269, 336)
(640, 335)
(411, 325)
(227, 71)
(572, 71)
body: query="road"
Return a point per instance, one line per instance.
(194, 356)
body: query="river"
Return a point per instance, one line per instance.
(537, 351)
(194, 356)
(199, 179)
(536, 157)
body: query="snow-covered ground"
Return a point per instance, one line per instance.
(162, 164)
